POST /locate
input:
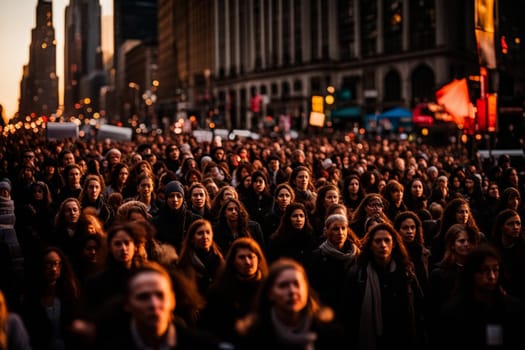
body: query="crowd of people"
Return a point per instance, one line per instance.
(312, 243)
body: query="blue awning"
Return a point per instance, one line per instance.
(397, 112)
(347, 112)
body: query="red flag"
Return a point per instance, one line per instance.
(455, 98)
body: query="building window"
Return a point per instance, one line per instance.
(392, 86)
(274, 88)
(297, 85)
(393, 26)
(368, 27)
(423, 82)
(315, 85)
(298, 42)
(422, 24)
(346, 22)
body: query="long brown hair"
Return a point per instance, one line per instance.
(4, 312)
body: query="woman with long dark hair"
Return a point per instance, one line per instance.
(383, 303)
(52, 300)
(283, 197)
(233, 293)
(200, 258)
(234, 222)
(294, 238)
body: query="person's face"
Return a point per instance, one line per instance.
(50, 169)
(331, 197)
(297, 219)
(73, 177)
(244, 172)
(227, 194)
(353, 186)
(123, 248)
(151, 303)
(512, 227)
(337, 233)
(174, 153)
(145, 188)
(513, 202)
(407, 229)
(243, 154)
(469, 184)
(514, 178)
(203, 237)
(397, 196)
(68, 158)
(52, 267)
(382, 246)
(247, 181)
(231, 212)
(38, 194)
(114, 158)
(246, 262)
(90, 251)
(198, 197)
(273, 165)
(462, 245)
(219, 155)
(4, 192)
(284, 198)
(374, 206)
(486, 279)
(416, 189)
(91, 229)
(462, 214)
(289, 293)
(71, 212)
(212, 188)
(123, 175)
(381, 184)
(302, 179)
(493, 191)
(259, 185)
(93, 190)
(28, 173)
(442, 182)
(175, 200)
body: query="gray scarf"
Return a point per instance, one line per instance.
(371, 323)
(298, 336)
(346, 256)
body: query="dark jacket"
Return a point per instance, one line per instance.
(172, 225)
(463, 324)
(402, 307)
(186, 339)
(224, 238)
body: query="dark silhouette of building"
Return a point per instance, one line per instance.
(39, 84)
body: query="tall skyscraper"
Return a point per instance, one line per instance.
(39, 85)
(83, 69)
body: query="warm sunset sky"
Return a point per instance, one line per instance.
(17, 18)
